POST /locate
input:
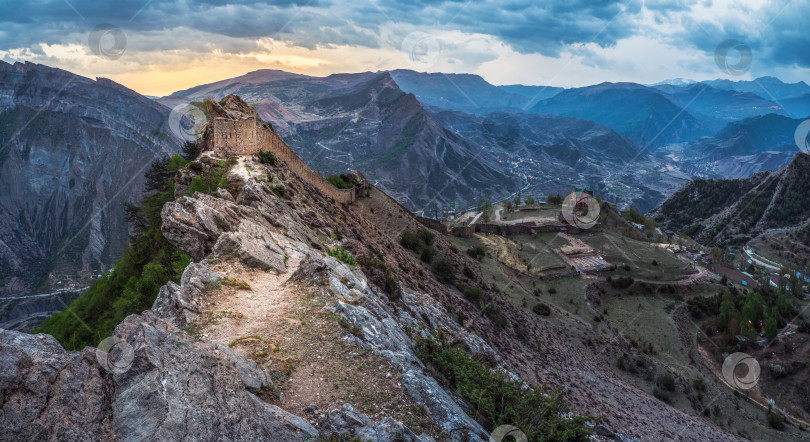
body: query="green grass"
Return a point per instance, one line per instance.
(341, 181)
(208, 182)
(496, 400)
(342, 255)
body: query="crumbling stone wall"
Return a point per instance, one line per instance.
(247, 137)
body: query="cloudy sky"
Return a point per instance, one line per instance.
(157, 47)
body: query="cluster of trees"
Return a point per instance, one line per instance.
(738, 315)
(556, 199)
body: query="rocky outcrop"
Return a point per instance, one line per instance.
(383, 333)
(177, 389)
(347, 423)
(181, 303)
(41, 385)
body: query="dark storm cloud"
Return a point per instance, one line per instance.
(527, 25)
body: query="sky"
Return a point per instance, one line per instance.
(158, 47)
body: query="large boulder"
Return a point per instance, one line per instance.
(193, 224)
(260, 252)
(347, 423)
(180, 304)
(48, 393)
(178, 389)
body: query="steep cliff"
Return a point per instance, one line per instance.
(72, 151)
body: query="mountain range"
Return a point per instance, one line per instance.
(74, 148)
(732, 212)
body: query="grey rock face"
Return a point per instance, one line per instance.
(205, 223)
(181, 303)
(347, 422)
(383, 333)
(261, 252)
(176, 389)
(441, 407)
(66, 175)
(48, 393)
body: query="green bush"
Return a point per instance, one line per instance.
(444, 270)
(426, 236)
(267, 158)
(341, 181)
(208, 182)
(477, 252)
(541, 309)
(667, 382)
(279, 190)
(409, 240)
(342, 255)
(132, 285)
(494, 313)
(426, 253)
(775, 421)
(473, 294)
(495, 399)
(622, 282)
(468, 272)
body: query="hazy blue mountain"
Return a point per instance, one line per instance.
(770, 88)
(533, 93)
(465, 92)
(797, 107)
(750, 136)
(647, 115)
(720, 106)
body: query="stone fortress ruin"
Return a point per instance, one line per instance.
(249, 136)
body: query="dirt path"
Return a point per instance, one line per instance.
(284, 326)
(265, 308)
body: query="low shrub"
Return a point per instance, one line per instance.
(775, 421)
(473, 294)
(409, 240)
(541, 309)
(208, 181)
(341, 181)
(444, 270)
(426, 253)
(342, 255)
(477, 252)
(667, 382)
(279, 190)
(498, 400)
(267, 158)
(622, 282)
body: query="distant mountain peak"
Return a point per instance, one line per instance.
(675, 82)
